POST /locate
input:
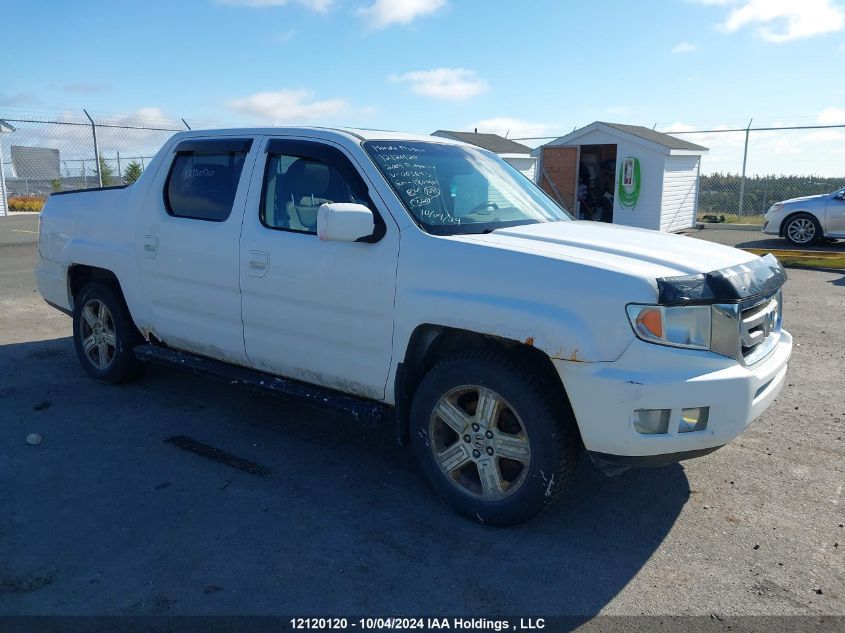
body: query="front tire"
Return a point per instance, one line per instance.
(492, 439)
(105, 336)
(802, 229)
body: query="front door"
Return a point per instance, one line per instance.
(834, 223)
(315, 310)
(188, 246)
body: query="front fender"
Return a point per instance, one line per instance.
(559, 332)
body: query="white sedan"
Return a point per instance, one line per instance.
(805, 221)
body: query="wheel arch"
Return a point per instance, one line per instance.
(791, 215)
(80, 275)
(431, 343)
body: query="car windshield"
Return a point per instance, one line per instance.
(454, 189)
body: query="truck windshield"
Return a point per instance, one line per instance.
(453, 189)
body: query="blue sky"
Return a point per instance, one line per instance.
(529, 67)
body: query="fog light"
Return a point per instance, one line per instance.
(651, 421)
(694, 419)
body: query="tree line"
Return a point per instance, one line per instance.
(719, 193)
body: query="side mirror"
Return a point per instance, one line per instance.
(345, 222)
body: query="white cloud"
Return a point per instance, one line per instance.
(84, 87)
(18, 99)
(515, 128)
(288, 106)
(684, 47)
(448, 84)
(383, 13)
(782, 20)
(831, 116)
(286, 36)
(320, 6)
(149, 114)
(677, 127)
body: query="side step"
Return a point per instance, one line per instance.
(368, 412)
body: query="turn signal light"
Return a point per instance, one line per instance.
(652, 320)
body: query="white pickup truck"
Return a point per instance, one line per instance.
(425, 282)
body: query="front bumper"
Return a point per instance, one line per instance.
(771, 228)
(604, 397)
(772, 223)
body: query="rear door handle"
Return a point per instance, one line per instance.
(259, 262)
(150, 246)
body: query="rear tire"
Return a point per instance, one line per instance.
(505, 463)
(105, 336)
(802, 229)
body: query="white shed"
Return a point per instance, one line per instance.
(516, 154)
(625, 174)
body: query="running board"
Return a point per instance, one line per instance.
(368, 412)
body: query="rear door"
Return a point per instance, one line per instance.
(315, 310)
(188, 246)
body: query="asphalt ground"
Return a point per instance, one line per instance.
(105, 517)
(758, 239)
(18, 229)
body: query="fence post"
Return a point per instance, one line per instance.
(744, 160)
(96, 149)
(4, 202)
(119, 172)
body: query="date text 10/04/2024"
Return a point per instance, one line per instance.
(378, 624)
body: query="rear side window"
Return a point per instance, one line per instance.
(204, 178)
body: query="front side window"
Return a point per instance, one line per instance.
(300, 177)
(203, 182)
(452, 189)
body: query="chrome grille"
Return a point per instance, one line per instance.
(759, 327)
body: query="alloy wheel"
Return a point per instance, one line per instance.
(479, 442)
(99, 338)
(801, 230)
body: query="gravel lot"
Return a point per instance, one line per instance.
(104, 517)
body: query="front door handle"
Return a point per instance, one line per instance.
(150, 246)
(259, 262)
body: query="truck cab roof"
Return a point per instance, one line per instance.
(334, 133)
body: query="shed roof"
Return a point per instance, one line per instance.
(657, 140)
(492, 142)
(672, 142)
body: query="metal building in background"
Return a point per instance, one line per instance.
(35, 162)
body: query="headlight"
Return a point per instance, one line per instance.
(775, 208)
(677, 326)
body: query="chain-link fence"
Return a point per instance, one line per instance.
(41, 155)
(746, 171)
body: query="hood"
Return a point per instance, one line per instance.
(641, 252)
(805, 198)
